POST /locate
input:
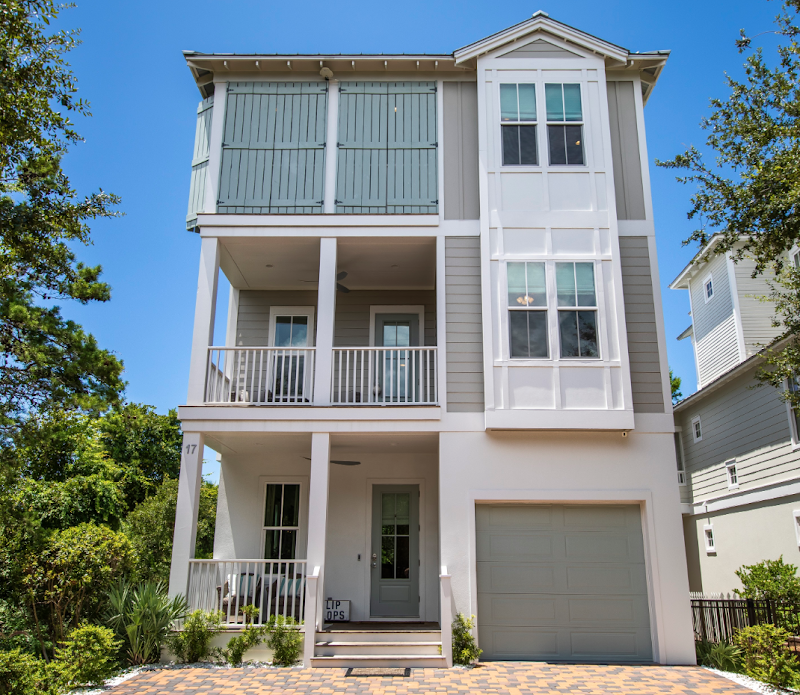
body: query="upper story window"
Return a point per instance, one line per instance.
(679, 459)
(708, 288)
(577, 309)
(527, 309)
(518, 124)
(794, 414)
(697, 429)
(564, 124)
(733, 476)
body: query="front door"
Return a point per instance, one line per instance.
(397, 373)
(395, 551)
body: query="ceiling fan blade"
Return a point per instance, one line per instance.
(342, 275)
(342, 288)
(341, 463)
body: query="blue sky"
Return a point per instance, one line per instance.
(139, 140)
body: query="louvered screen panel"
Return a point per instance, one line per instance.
(387, 148)
(202, 141)
(273, 154)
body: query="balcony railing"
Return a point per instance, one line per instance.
(260, 376)
(275, 587)
(384, 376)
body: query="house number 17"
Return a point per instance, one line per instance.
(191, 448)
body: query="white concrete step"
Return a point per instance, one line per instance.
(379, 661)
(374, 648)
(380, 636)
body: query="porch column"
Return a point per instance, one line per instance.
(185, 534)
(317, 531)
(326, 313)
(205, 306)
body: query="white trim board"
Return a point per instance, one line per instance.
(738, 498)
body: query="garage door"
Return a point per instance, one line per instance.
(562, 583)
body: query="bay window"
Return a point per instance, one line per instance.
(518, 124)
(564, 123)
(527, 309)
(577, 309)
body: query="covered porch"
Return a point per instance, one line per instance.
(305, 518)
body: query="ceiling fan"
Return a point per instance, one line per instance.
(339, 286)
(340, 463)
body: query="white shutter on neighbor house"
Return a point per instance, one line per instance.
(202, 140)
(273, 151)
(387, 148)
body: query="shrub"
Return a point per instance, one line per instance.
(23, 674)
(142, 616)
(285, 640)
(465, 651)
(17, 630)
(765, 655)
(723, 655)
(252, 636)
(87, 657)
(770, 579)
(193, 642)
(69, 577)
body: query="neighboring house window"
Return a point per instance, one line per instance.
(577, 309)
(527, 309)
(711, 543)
(281, 520)
(733, 477)
(564, 123)
(518, 118)
(795, 258)
(708, 288)
(679, 459)
(697, 429)
(796, 517)
(794, 413)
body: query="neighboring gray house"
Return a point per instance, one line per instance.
(737, 442)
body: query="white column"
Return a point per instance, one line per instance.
(215, 147)
(205, 307)
(331, 148)
(326, 313)
(185, 535)
(317, 531)
(441, 321)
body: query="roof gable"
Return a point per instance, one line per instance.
(539, 49)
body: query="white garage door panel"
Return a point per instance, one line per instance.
(562, 582)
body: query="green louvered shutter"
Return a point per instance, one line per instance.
(273, 152)
(387, 148)
(202, 141)
(412, 172)
(362, 147)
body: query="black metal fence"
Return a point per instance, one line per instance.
(716, 620)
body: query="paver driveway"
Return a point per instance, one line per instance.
(491, 677)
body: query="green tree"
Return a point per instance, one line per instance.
(151, 525)
(749, 195)
(44, 358)
(769, 579)
(675, 386)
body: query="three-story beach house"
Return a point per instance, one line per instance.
(443, 386)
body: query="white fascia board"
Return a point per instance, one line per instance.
(682, 281)
(316, 221)
(308, 413)
(541, 22)
(622, 420)
(740, 498)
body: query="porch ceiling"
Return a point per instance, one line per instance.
(290, 445)
(292, 263)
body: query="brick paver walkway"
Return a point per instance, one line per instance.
(494, 677)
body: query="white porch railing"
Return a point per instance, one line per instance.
(384, 376)
(260, 375)
(275, 587)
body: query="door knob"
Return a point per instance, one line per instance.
(374, 556)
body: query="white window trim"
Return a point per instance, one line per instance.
(535, 123)
(682, 470)
(711, 548)
(796, 518)
(275, 311)
(302, 516)
(694, 431)
(582, 123)
(708, 278)
(417, 309)
(793, 254)
(794, 434)
(730, 466)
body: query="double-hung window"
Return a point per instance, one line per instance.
(564, 123)
(794, 413)
(577, 310)
(281, 521)
(518, 124)
(527, 309)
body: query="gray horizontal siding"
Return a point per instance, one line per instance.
(464, 325)
(460, 151)
(625, 155)
(757, 315)
(743, 422)
(252, 325)
(707, 316)
(640, 319)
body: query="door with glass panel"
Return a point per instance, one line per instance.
(398, 369)
(288, 377)
(394, 563)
